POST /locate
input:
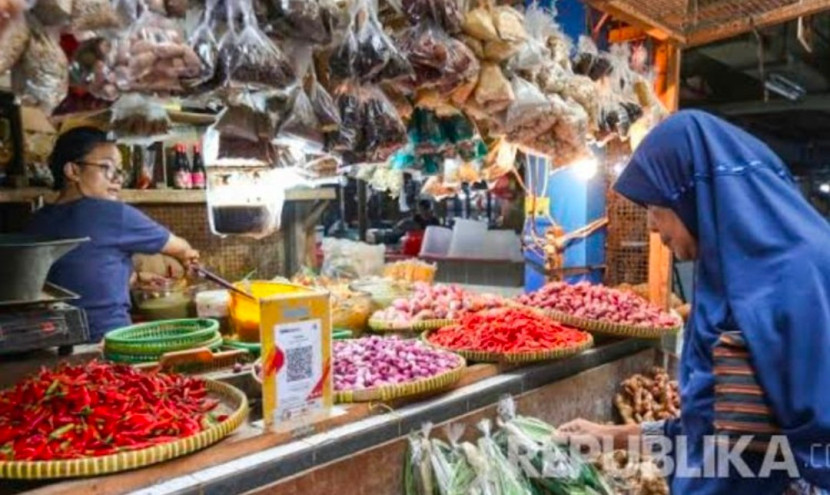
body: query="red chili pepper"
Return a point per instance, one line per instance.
(97, 409)
(507, 330)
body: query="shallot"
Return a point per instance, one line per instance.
(597, 302)
(377, 361)
(438, 302)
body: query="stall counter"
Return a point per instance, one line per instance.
(357, 437)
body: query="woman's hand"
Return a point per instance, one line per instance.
(181, 250)
(190, 257)
(584, 432)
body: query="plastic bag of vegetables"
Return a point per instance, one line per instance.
(496, 474)
(418, 478)
(452, 472)
(551, 467)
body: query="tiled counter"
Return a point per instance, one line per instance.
(366, 457)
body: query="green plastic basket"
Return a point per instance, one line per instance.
(147, 342)
(164, 331)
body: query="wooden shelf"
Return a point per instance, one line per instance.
(156, 196)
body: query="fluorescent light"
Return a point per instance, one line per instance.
(824, 188)
(585, 168)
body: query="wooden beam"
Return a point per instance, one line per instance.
(622, 11)
(659, 256)
(696, 37)
(626, 34)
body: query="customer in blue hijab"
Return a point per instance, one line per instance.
(721, 197)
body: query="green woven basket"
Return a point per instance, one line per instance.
(147, 342)
(137, 358)
(231, 397)
(164, 331)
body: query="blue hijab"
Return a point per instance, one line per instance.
(763, 267)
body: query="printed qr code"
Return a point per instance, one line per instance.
(299, 364)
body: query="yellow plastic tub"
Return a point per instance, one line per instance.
(245, 313)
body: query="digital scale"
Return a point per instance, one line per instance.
(47, 323)
(35, 314)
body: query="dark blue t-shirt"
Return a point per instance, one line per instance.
(99, 270)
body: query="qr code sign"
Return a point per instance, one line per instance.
(299, 364)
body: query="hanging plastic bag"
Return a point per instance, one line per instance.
(153, 56)
(324, 107)
(435, 188)
(94, 15)
(89, 69)
(384, 130)
(211, 73)
(366, 52)
(139, 120)
(571, 130)
(500, 160)
(176, 8)
(447, 14)
(478, 23)
(41, 76)
(12, 8)
(509, 23)
(53, 12)
(530, 113)
(310, 21)
(534, 53)
(589, 62)
(584, 91)
(493, 92)
(426, 133)
(257, 62)
(14, 38)
(343, 258)
(241, 136)
(552, 78)
(388, 180)
(300, 129)
(244, 202)
(349, 136)
(439, 61)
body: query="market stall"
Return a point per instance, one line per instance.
(307, 379)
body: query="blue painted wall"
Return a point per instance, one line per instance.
(574, 203)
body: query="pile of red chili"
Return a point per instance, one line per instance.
(507, 330)
(98, 409)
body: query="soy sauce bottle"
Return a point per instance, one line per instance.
(197, 173)
(182, 176)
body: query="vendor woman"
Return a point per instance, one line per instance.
(86, 166)
(755, 364)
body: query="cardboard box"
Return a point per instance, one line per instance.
(295, 331)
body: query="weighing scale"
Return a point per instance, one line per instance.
(35, 314)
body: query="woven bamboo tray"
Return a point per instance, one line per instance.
(382, 326)
(514, 357)
(614, 329)
(389, 392)
(230, 397)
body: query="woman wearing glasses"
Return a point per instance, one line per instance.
(86, 166)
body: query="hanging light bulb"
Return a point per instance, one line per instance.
(585, 168)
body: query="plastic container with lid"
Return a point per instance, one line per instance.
(436, 242)
(245, 312)
(214, 304)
